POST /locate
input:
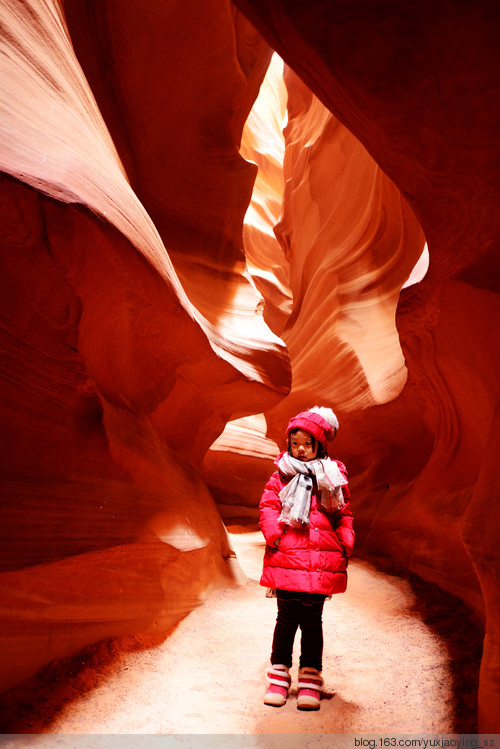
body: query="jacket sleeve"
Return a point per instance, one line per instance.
(343, 524)
(269, 511)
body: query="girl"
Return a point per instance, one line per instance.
(306, 519)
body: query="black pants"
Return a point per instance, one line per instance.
(304, 610)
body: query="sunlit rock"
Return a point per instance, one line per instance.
(238, 465)
(118, 370)
(346, 241)
(417, 85)
(148, 300)
(263, 143)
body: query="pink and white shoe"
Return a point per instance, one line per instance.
(309, 689)
(278, 677)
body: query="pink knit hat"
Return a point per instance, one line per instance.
(320, 422)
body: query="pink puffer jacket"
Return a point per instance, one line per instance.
(312, 559)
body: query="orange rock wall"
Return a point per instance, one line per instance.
(118, 370)
(329, 242)
(132, 329)
(417, 86)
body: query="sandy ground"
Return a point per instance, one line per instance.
(389, 667)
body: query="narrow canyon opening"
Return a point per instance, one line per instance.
(329, 243)
(181, 271)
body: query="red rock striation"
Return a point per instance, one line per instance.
(115, 375)
(346, 241)
(133, 327)
(417, 85)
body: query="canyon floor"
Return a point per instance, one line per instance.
(401, 657)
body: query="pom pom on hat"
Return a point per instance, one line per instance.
(319, 421)
(328, 416)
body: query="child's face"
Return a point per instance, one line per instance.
(301, 445)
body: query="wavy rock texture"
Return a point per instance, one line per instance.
(329, 254)
(335, 250)
(132, 329)
(263, 144)
(417, 86)
(351, 242)
(118, 370)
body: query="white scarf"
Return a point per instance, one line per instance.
(296, 495)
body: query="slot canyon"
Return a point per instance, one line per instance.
(215, 215)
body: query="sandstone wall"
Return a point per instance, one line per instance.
(136, 322)
(417, 87)
(118, 369)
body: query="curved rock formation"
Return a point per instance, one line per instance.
(417, 86)
(133, 327)
(330, 259)
(117, 372)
